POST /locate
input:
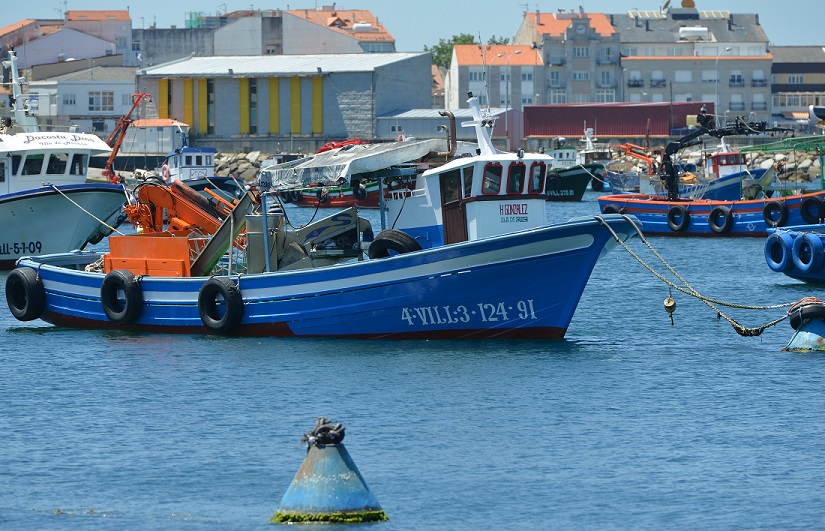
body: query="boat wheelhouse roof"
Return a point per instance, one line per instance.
(53, 142)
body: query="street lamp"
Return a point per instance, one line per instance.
(507, 96)
(716, 97)
(487, 79)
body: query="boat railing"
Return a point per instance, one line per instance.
(405, 193)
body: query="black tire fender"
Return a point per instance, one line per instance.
(208, 305)
(612, 209)
(295, 195)
(392, 240)
(359, 192)
(779, 251)
(680, 212)
(810, 209)
(117, 282)
(25, 294)
(720, 219)
(808, 252)
(286, 196)
(806, 313)
(553, 181)
(782, 213)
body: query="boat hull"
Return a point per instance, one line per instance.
(748, 217)
(474, 289)
(333, 197)
(569, 184)
(56, 220)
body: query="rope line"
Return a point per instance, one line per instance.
(691, 291)
(86, 211)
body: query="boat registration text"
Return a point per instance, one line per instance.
(481, 312)
(20, 247)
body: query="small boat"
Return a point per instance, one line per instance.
(470, 255)
(357, 193)
(798, 252)
(674, 214)
(46, 205)
(596, 153)
(571, 182)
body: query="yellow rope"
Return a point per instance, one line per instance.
(689, 290)
(86, 211)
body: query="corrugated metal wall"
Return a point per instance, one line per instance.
(609, 119)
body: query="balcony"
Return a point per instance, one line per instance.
(759, 83)
(556, 61)
(737, 106)
(658, 83)
(605, 61)
(635, 83)
(759, 106)
(736, 82)
(606, 84)
(557, 85)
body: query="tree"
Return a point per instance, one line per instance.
(443, 51)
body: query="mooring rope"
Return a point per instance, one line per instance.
(86, 211)
(690, 290)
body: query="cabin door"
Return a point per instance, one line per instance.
(452, 207)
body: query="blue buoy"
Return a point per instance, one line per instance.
(328, 487)
(808, 321)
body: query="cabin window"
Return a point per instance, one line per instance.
(33, 165)
(15, 163)
(450, 186)
(492, 179)
(537, 178)
(188, 160)
(2, 171)
(78, 166)
(57, 163)
(515, 179)
(468, 181)
(198, 160)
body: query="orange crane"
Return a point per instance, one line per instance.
(638, 152)
(117, 135)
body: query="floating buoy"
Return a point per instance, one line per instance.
(328, 487)
(807, 318)
(670, 307)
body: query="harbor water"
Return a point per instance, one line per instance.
(631, 422)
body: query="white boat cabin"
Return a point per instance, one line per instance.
(29, 160)
(474, 197)
(188, 163)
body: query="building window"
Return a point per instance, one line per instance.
(582, 75)
(795, 79)
(101, 101)
(527, 76)
(126, 100)
(605, 95)
(555, 79)
(558, 96)
(581, 51)
(69, 99)
(253, 106)
(210, 106)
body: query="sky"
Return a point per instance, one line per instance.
(421, 23)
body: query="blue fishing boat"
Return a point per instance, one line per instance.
(674, 214)
(469, 254)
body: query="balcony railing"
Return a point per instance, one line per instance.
(658, 83)
(557, 85)
(556, 61)
(759, 106)
(736, 83)
(759, 83)
(737, 106)
(605, 60)
(635, 83)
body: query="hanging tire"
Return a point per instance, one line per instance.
(220, 305)
(720, 220)
(286, 196)
(612, 209)
(806, 313)
(808, 252)
(392, 240)
(811, 210)
(115, 283)
(775, 213)
(596, 183)
(295, 196)
(359, 192)
(779, 251)
(678, 218)
(25, 294)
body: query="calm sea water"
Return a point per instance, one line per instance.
(628, 423)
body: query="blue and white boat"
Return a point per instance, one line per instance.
(470, 254)
(46, 205)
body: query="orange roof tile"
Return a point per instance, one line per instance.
(551, 24)
(16, 26)
(344, 20)
(156, 122)
(471, 54)
(79, 16)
